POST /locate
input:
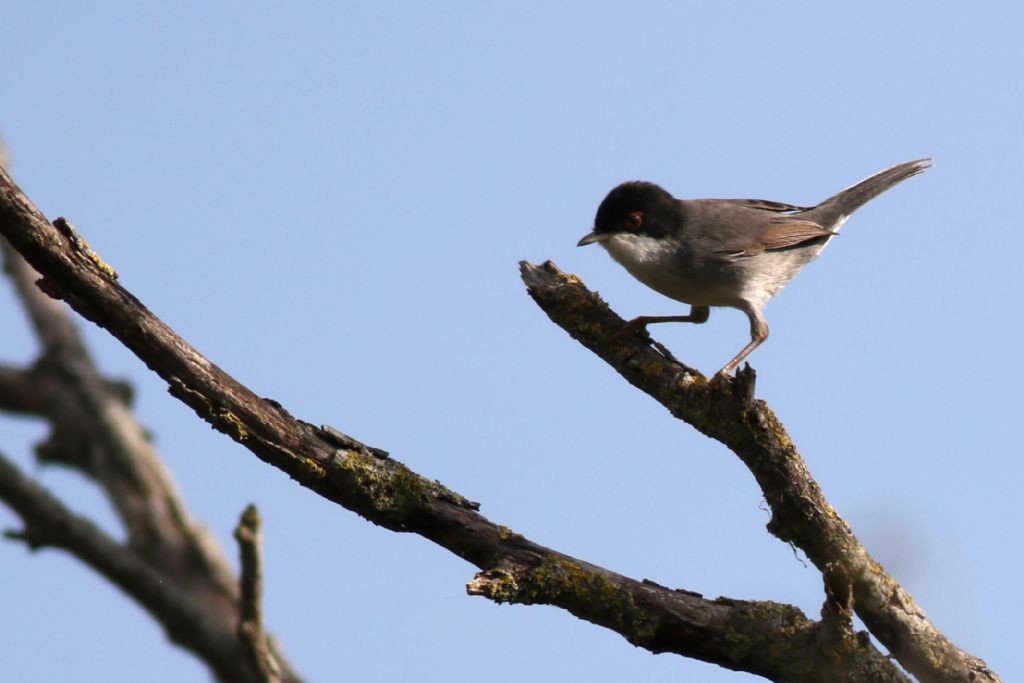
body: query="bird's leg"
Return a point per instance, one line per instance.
(758, 333)
(698, 314)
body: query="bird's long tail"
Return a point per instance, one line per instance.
(835, 209)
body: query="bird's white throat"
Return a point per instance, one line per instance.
(654, 262)
(641, 251)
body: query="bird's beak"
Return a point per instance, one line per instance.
(592, 237)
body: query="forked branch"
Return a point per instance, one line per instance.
(765, 638)
(725, 410)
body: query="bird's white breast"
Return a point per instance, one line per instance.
(661, 264)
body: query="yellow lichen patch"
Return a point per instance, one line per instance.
(315, 468)
(230, 424)
(107, 269)
(79, 243)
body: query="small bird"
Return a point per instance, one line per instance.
(723, 252)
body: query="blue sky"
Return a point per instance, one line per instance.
(330, 200)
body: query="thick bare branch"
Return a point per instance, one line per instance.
(23, 392)
(724, 409)
(775, 641)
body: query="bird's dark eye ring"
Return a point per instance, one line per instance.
(634, 220)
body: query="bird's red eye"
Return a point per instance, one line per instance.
(634, 220)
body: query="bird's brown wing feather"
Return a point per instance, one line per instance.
(785, 234)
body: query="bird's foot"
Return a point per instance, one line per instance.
(637, 326)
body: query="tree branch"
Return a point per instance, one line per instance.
(183, 614)
(93, 432)
(772, 640)
(725, 410)
(250, 626)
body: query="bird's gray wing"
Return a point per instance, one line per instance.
(765, 205)
(731, 229)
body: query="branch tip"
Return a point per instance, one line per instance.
(250, 626)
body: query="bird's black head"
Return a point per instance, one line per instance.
(637, 207)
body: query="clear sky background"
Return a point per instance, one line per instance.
(330, 201)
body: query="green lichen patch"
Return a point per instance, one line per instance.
(589, 594)
(757, 626)
(388, 487)
(497, 585)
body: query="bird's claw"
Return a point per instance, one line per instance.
(635, 326)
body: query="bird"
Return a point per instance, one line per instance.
(735, 253)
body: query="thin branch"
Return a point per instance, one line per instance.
(250, 625)
(775, 641)
(725, 410)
